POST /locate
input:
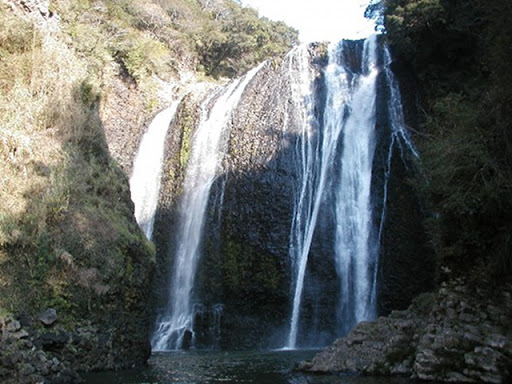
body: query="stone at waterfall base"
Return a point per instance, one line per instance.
(453, 335)
(53, 354)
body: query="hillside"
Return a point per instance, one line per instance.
(455, 56)
(78, 82)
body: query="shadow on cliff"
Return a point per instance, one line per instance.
(246, 264)
(76, 246)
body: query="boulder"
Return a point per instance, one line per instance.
(48, 317)
(13, 326)
(436, 340)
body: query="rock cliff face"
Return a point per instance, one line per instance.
(125, 118)
(37, 10)
(245, 265)
(72, 244)
(454, 335)
(249, 239)
(246, 234)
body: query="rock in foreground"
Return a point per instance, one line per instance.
(454, 335)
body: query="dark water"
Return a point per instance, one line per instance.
(198, 367)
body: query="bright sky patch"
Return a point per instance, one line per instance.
(319, 20)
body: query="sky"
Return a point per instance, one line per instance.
(318, 20)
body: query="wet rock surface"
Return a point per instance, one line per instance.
(457, 334)
(245, 262)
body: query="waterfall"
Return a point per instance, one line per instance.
(300, 114)
(175, 329)
(399, 131)
(147, 169)
(314, 160)
(355, 254)
(348, 123)
(321, 158)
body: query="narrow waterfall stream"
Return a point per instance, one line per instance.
(349, 124)
(355, 251)
(147, 169)
(176, 328)
(306, 204)
(396, 114)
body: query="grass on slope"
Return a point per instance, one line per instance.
(67, 234)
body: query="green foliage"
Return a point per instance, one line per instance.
(143, 57)
(435, 36)
(241, 41)
(161, 37)
(67, 232)
(410, 20)
(187, 119)
(469, 189)
(111, 31)
(459, 52)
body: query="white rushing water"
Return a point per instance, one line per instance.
(355, 252)
(315, 159)
(208, 147)
(299, 114)
(147, 169)
(355, 129)
(399, 137)
(396, 114)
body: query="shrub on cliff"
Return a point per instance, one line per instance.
(238, 40)
(68, 238)
(164, 37)
(460, 53)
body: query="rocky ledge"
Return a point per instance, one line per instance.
(457, 334)
(39, 350)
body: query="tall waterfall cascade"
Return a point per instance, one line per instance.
(355, 252)
(300, 114)
(278, 234)
(349, 124)
(147, 169)
(209, 143)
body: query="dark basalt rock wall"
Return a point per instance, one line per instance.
(407, 265)
(247, 233)
(245, 265)
(407, 262)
